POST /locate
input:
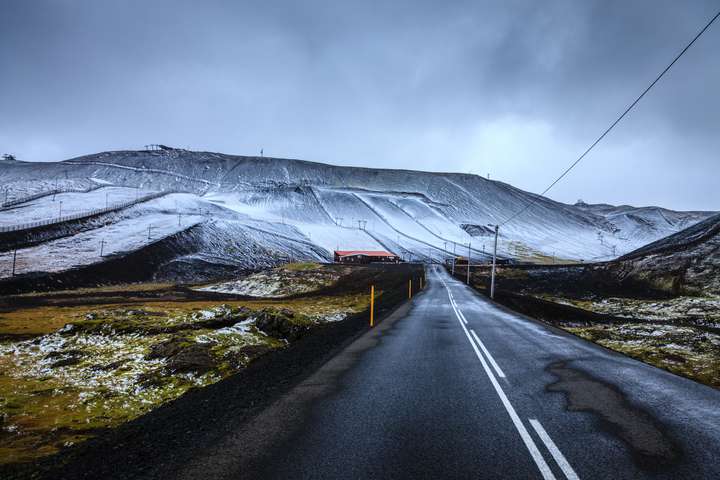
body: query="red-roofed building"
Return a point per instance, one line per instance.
(365, 256)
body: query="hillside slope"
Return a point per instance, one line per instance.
(687, 261)
(301, 209)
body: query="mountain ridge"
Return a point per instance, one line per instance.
(416, 214)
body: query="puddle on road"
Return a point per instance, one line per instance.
(651, 447)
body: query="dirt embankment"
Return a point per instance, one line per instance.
(191, 361)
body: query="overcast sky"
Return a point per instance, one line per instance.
(516, 89)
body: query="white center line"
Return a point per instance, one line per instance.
(554, 450)
(500, 373)
(462, 316)
(527, 439)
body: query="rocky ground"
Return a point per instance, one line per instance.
(75, 364)
(292, 279)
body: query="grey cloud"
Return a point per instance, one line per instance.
(514, 88)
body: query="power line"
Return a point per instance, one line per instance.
(627, 110)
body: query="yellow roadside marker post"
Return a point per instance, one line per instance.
(409, 289)
(372, 305)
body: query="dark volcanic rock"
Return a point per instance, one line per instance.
(64, 359)
(184, 355)
(151, 379)
(195, 358)
(168, 348)
(254, 351)
(280, 324)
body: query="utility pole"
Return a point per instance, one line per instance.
(492, 276)
(102, 247)
(60, 210)
(14, 260)
(468, 264)
(149, 226)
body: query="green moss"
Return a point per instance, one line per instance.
(45, 407)
(685, 351)
(301, 266)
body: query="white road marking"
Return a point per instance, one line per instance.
(462, 316)
(527, 439)
(500, 373)
(459, 312)
(537, 426)
(554, 450)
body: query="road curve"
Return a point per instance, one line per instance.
(459, 387)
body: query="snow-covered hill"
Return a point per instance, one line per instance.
(685, 262)
(249, 211)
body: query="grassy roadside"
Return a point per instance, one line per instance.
(680, 335)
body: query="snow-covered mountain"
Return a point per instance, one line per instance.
(237, 211)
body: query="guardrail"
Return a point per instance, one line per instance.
(87, 214)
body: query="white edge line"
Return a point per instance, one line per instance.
(527, 439)
(554, 450)
(497, 368)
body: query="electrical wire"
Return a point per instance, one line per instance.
(627, 110)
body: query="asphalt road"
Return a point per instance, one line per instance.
(457, 387)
